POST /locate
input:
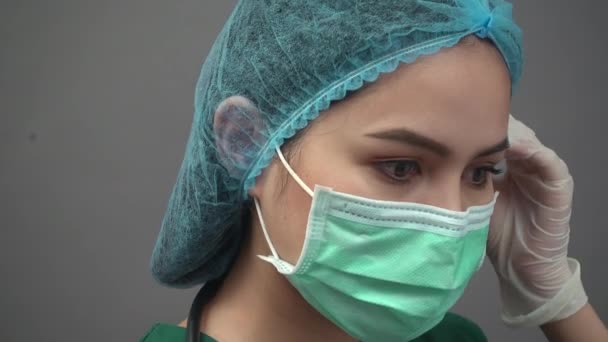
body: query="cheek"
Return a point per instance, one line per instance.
(289, 219)
(328, 161)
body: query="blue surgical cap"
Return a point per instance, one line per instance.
(273, 68)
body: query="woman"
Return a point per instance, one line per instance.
(365, 219)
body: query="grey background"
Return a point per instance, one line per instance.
(95, 108)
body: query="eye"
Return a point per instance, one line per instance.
(479, 176)
(399, 170)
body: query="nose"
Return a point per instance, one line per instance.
(448, 196)
(451, 200)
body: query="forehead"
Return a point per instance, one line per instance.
(445, 95)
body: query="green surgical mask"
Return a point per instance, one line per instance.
(384, 271)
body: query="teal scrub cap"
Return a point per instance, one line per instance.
(273, 68)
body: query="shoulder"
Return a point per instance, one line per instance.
(163, 332)
(454, 328)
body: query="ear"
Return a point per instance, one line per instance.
(238, 129)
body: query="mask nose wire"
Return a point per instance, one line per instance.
(259, 211)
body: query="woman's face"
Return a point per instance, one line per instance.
(428, 133)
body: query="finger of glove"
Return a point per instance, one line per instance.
(547, 209)
(551, 198)
(528, 155)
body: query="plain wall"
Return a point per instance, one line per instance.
(96, 101)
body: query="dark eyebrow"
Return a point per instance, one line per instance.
(410, 138)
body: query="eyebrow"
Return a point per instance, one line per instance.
(408, 137)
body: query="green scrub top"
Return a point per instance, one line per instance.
(452, 328)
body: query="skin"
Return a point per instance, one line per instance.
(458, 97)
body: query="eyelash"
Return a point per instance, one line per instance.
(411, 166)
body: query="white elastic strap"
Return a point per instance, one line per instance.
(275, 260)
(257, 208)
(293, 174)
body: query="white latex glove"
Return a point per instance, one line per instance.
(529, 233)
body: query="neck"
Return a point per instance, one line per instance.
(256, 303)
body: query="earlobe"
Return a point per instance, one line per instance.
(256, 190)
(238, 132)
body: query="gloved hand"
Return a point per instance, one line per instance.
(529, 233)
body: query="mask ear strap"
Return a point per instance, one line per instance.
(293, 174)
(274, 259)
(257, 208)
